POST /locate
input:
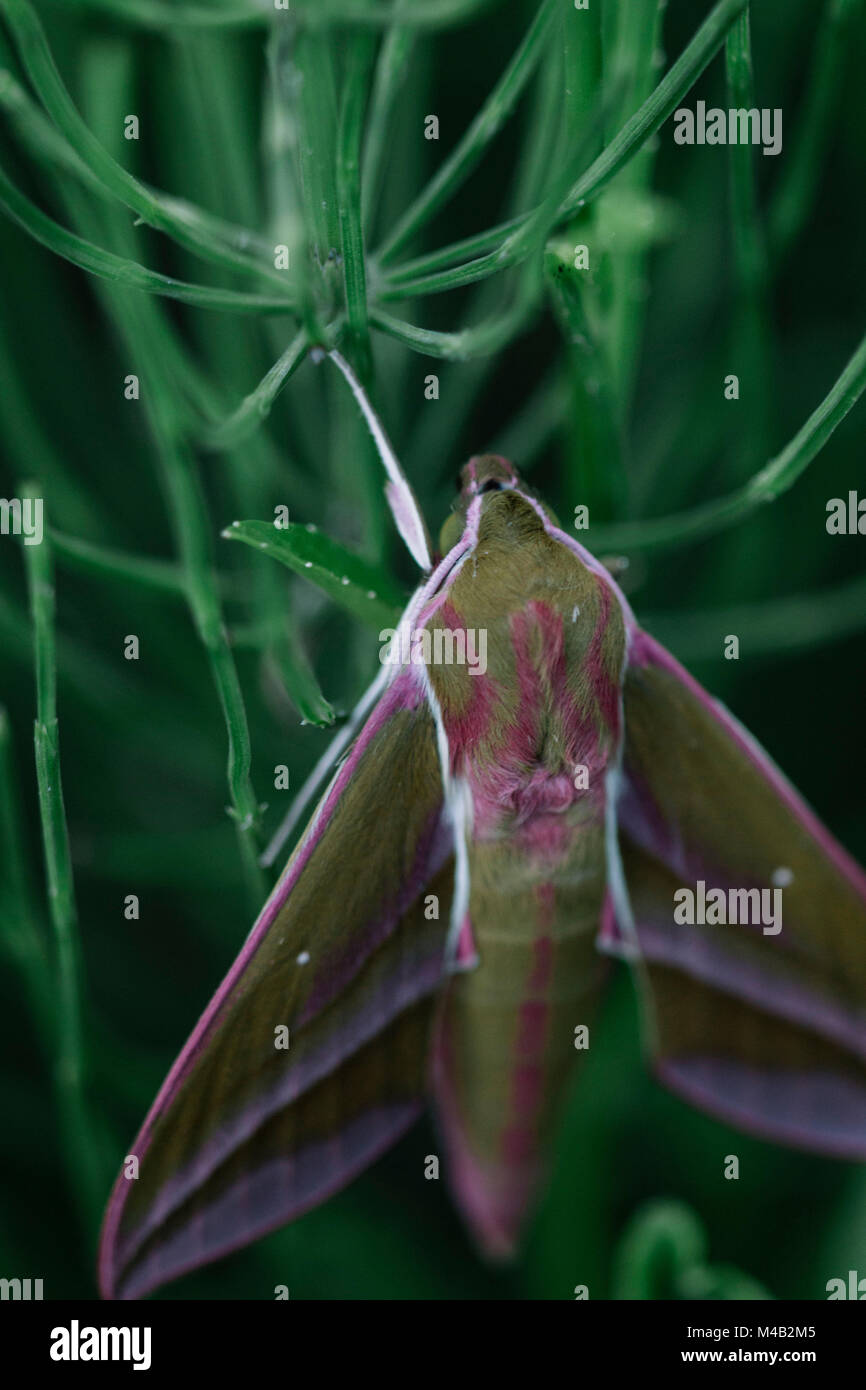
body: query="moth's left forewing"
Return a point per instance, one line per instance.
(312, 1056)
(760, 1019)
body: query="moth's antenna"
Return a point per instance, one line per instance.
(401, 498)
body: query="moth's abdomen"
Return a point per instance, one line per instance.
(505, 1049)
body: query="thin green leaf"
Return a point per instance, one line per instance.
(804, 163)
(391, 69)
(361, 588)
(580, 32)
(489, 120)
(349, 204)
(525, 238)
(162, 16)
(159, 575)
(749, 252)
(633, 135)
(317, 144)
(119, 269)
(751, 336)
(140, 327)
(437, 260)
(658, 106)
(180, 221)
(799, 623)
(255, 408)
(299, 679)
(481, 338)
(50, 148)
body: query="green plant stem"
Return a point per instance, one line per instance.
(636, 131)
(163, 16)
(189, 519)
(349, 206)
(255, 408)
(34, 127)
(140, 328)
(417, 277)
(437, 432)
(662, 1240)
(159, 575)
(489, 120)
(799, 175)
(749, 252)
(69, 1056)
(520, 246)
(210, 75)
(390, 73)
(799, 623)
(658, 106)
(194, 232)
(778, 475)
(481, 338)
(19, 935)
(51, 148)
(751, 337)
(472, 246)
(581, 47)
(624, 274)
(525, 238)
(546, 144)
(507, 253)
(595, 449)
(119, 269)
(317, 143)
(425, 340)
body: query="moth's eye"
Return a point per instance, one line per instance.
(491, 486)
(458, 482)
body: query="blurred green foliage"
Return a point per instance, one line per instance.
(607, 388)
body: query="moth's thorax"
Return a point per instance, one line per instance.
(533, 726)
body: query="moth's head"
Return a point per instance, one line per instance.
(484, 476)
(486, 473)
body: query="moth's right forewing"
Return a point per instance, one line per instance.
(248, 1132)
(762, 1022)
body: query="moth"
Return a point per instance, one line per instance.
(444, 926)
